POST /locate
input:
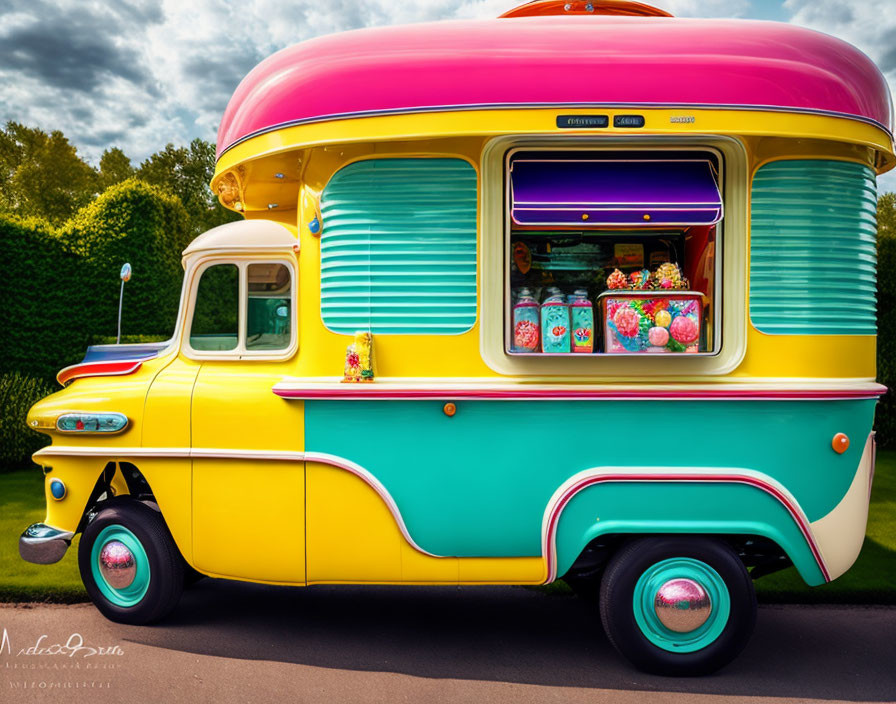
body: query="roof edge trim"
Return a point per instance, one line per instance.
(541, 106)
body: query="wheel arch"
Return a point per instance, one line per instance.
(598, 504)
(118, 482)
(162, 483)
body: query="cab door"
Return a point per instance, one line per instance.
(248, 491)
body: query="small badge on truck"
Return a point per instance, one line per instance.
(582, 121)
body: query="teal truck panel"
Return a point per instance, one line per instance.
(478, 483)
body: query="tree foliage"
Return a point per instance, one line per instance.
(886, 218)
(42, 175)
(185, 172)
(115, 167)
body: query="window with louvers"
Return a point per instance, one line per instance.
(812, 248)
(398, 247)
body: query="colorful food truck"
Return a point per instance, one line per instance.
(582, 292)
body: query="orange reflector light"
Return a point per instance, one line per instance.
(840, 443)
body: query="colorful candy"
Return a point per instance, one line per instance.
(666, 277)
(638, 322)
(684, 330)
(617, 280)
(658, 337)
(627, 322)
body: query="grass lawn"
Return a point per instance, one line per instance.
(21, 504)
(872, 580)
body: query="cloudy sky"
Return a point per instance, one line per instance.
(141, 73)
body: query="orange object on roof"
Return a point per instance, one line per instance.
(539, 8)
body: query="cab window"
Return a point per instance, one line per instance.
(269, 308)
(215, 324)
(244, 310)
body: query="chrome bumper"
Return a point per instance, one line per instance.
(43, 544)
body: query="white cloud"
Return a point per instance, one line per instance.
(870, 26)
(705, 8)
(140, 73)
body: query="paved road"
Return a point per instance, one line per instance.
(232, 642)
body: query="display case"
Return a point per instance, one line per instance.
(636, 322)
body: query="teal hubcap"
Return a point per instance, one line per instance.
(120, 566)
(681, 604)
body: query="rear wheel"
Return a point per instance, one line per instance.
(678, 605)
(129, 564)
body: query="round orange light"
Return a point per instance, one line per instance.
(584, 216)
(646, 216)
(840, 443)
(450, 409)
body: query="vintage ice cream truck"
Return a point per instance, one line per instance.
(583, 292)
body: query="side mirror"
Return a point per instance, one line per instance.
(125, 275)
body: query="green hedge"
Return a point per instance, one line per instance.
(17, 394)
(129, 339)
(61, 286)
(885, 419)
(141, 224)
(44, 314)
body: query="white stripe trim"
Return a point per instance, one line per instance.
(560, 497)
(210, 453)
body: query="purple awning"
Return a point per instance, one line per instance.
(591, 193)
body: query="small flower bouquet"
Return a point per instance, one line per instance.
(359, 358)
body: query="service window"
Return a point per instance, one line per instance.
(244, 309)
(612, 253)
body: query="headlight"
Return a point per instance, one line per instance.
(91, 422)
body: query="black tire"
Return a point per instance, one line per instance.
(617, 609)
(165, 564)
(191, 576)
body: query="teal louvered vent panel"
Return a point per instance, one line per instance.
(812, 248)
(398, 248)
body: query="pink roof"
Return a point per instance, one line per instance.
(585, 61)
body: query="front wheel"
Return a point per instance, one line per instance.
(129, 564)
(678, 605)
